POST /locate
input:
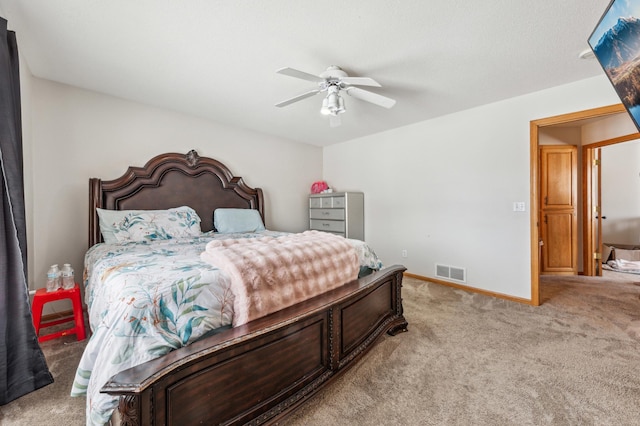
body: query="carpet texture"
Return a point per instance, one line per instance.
(467, 359)
(470, 359)
(52, 404)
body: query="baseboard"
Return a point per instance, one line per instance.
(470, 289)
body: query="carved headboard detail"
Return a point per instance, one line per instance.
(172, 180)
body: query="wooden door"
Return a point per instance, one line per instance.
(558, 209)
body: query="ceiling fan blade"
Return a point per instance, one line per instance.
(300, 74)
(334, 121)
(374, 98)
(360, 81)
(298, 98)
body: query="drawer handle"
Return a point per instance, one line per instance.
(326, 225)
(326, 213)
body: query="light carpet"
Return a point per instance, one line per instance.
(467, 359)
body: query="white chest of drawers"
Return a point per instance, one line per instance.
(340, 213)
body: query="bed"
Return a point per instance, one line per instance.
(196, 368)
(621, 258)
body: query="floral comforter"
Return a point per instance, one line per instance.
(146, 299)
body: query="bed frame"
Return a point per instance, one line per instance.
(259, 372)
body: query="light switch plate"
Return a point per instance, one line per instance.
(519, 206)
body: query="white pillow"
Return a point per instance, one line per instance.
(227, 221)
(151, 225)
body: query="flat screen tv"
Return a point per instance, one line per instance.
(616, 44)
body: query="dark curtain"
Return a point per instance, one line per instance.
(22, 365)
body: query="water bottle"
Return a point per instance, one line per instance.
(53, 278)
(68, 281)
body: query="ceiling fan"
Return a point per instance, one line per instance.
(334, 81)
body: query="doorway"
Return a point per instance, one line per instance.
(587, 117)
(594, 214)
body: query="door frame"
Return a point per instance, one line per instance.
(590, 200)
(534, 128)
(588, 197)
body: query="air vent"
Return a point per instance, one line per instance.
(451, 273)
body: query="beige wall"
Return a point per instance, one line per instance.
(621, 193)
(559, 136)
(76, 134)
(444, 189)
(608, 127)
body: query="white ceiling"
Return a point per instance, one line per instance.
(217, 59)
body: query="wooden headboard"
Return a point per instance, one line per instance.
(172, 180)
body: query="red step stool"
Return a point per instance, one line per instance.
(43, 296)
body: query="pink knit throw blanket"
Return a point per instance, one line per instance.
(270, 273)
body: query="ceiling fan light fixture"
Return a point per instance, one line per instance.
(325, 107)
(341, 107)
(333, 104)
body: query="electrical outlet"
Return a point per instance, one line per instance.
(519, 206)
(404, 253)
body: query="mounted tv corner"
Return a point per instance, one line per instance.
(616, 44)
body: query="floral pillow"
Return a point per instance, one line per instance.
(151, 225)
(109, 220)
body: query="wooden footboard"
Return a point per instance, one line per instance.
(258, 373)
